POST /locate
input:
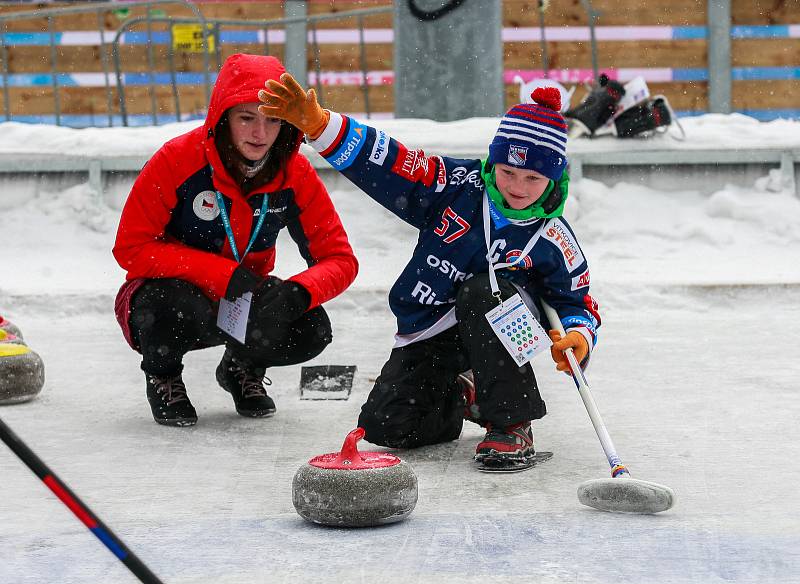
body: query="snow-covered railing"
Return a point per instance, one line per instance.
(784, 158)
(94, 166)
(583, 158)
(717, 150)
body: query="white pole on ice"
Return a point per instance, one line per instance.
(621, 493)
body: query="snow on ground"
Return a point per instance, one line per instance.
(695, 374)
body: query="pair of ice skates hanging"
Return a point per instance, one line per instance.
(623, 111)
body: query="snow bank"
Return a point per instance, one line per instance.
(59, 242)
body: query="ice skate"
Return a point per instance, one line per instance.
(644, 119)
(596, 108)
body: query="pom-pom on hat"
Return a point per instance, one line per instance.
(533, 136)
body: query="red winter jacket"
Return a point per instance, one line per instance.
(171, 226)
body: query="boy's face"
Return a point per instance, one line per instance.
(520, 187)
(252, 133)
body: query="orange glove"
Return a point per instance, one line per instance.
(574, 340)
(286, 100)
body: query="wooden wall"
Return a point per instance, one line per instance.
(569, 59)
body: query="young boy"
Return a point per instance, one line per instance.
(488, 230)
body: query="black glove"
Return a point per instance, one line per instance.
(283, 302)
(242, 280)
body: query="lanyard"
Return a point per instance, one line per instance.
(227, 223)
(493, 266)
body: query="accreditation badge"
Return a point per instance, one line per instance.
(521, 334)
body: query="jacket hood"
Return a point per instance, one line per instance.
(239, 81)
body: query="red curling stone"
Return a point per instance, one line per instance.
(354, 489)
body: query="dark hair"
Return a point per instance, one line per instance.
(279, 154)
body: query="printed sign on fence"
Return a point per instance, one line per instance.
(189, 38)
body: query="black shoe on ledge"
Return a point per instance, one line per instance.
(168, 401)
(246, 387)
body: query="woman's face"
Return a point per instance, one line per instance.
(520, 187)
(252, 133)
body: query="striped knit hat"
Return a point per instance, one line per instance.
(533, 136)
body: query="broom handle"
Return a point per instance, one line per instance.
(617, 468)
(81, 511)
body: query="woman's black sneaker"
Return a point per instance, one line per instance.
(246, 387)
(169, 402)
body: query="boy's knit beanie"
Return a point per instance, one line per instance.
(533, 136)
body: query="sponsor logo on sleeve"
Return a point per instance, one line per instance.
(353, 142)
(441, 175)
(578, 321)
(413, 165)
(205, 206)
(380, 148)
(592, 308)
(460, 176)
(581, 281)
(517, 155)
(558, 233)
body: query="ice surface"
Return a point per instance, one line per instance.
(695, 374)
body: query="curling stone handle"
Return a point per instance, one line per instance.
(349, 451)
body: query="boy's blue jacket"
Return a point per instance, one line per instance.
(443, 198)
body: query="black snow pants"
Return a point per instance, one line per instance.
(170, 317)
(416, 399)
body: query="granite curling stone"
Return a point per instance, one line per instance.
(21, 373)
(354, 489)
(9, 327)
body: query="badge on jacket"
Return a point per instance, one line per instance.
(205, 206)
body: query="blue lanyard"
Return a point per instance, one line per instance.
(227, 223)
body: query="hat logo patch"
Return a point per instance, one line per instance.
(517, 155)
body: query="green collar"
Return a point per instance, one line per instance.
(537, 209)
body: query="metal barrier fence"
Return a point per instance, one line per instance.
(158, 36)
(691, 60)
(100, 9)
(213, 29)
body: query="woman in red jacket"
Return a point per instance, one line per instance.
(197, 238)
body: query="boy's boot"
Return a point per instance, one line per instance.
(246, 386)
(596, 109)
(513, 443)
(169, 402)
(645, 117)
